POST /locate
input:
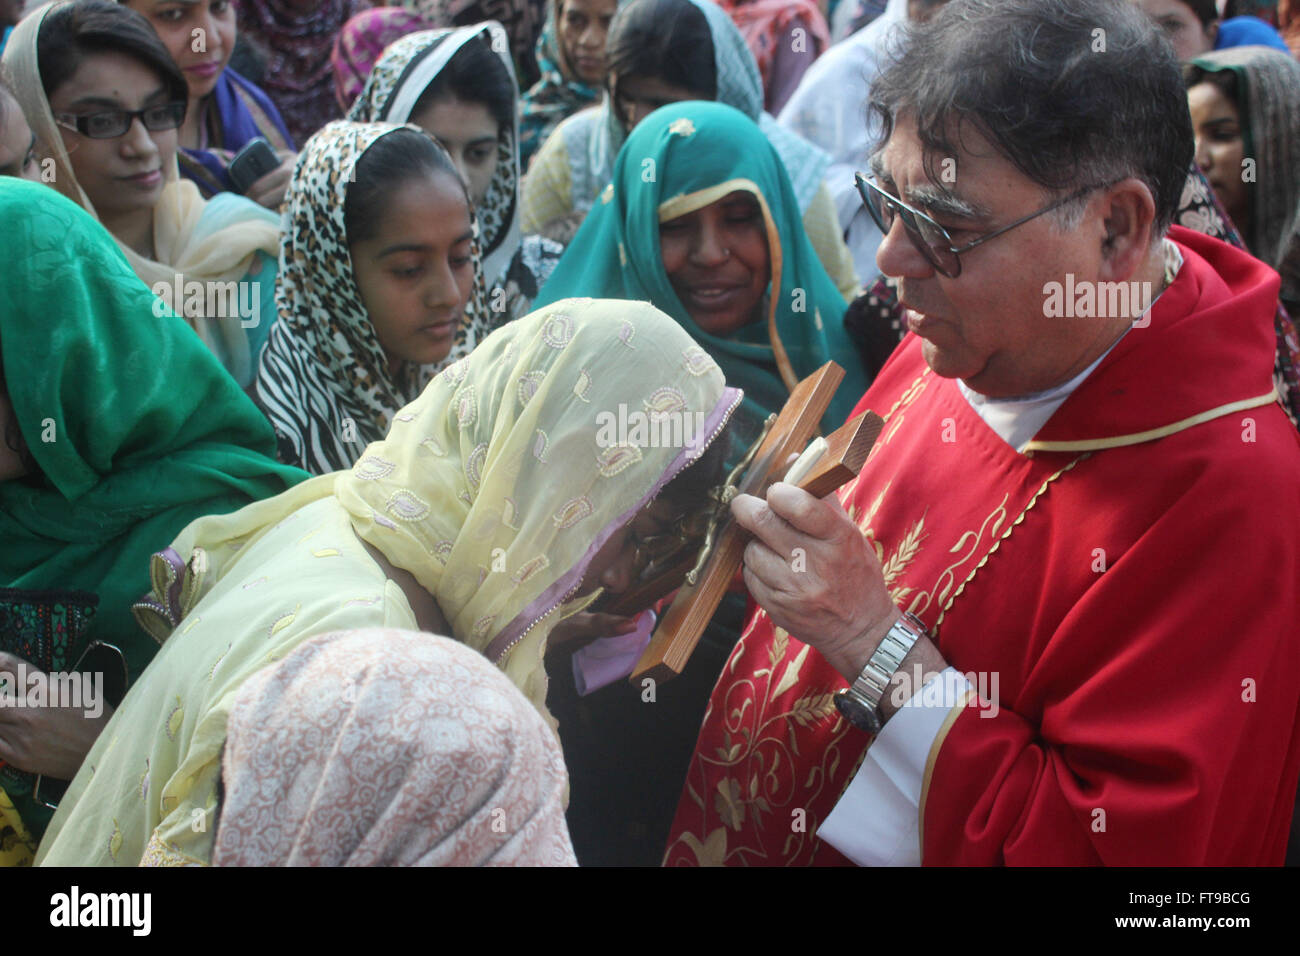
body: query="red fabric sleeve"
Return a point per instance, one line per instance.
(1139, 740)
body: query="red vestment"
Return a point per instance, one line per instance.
(1133, 578)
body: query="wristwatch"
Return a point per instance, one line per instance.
(860, 703)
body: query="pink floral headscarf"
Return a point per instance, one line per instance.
(389, 748)
(362, 42)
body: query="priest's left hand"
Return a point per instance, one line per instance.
(815, 574)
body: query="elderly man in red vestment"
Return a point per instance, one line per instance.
(1054, 620)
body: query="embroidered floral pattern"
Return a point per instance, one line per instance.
(465, 408)
(583, 385)
(529, 568)
(558, 331)
(528, 384)
(665, 401)
(115, 841)
(159, 852)
(407, 505)
(612, 461)
(283, 621)
(573, 511)
(372, 468)
(454, 374)
(174, 718)
(474, 463)
(212, 671)
(697, 361)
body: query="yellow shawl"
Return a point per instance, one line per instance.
(495, 488)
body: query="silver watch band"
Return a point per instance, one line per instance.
(860, 702)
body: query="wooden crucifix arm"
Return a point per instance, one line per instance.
(679, 632)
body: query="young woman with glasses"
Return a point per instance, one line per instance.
(105, 101)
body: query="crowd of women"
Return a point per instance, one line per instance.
(261, 427)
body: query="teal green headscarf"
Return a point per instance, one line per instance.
(134, 424)
(681, 158)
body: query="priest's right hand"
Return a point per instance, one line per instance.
(810, 568)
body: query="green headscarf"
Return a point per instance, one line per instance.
(136, 427)
(681, 158)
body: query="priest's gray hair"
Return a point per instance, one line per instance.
(1072, 93)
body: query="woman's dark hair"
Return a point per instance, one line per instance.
(391, 160)
(1206, 10)
(667, 40)
(1225, 80)
(1265, 10)
(70, 34)
(689, 489)
(474, 74)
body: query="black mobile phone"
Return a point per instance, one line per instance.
(251, 163)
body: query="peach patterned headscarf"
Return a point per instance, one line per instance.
(381, 747)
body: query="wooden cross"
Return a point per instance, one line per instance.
(682, 626)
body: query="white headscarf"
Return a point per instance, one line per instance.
(396, 84)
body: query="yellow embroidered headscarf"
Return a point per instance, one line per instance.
(497, 486)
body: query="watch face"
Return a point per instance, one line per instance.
(856, 712)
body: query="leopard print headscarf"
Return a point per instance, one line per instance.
(324, 381)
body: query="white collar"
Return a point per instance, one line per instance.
(1017, 420)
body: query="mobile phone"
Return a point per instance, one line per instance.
(251, 163)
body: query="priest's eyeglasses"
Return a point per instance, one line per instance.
(111, 124)
(930, 238)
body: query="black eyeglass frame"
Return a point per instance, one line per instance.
(911, 216)
(686, 531)
(80, 123)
